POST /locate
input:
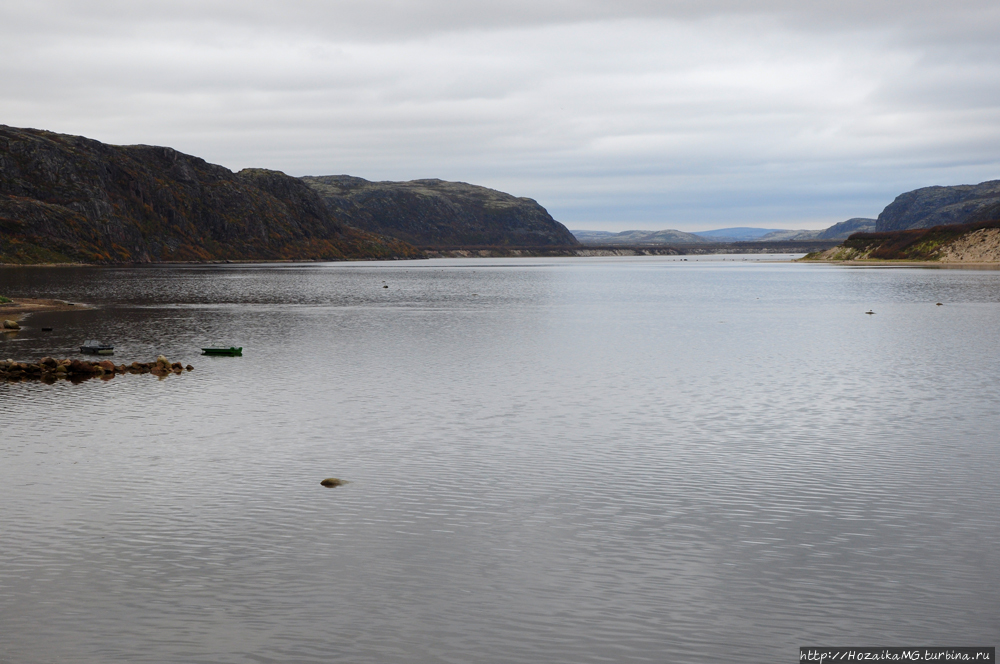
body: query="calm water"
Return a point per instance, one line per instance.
(579, 460)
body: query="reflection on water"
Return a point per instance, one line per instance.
(574, 460)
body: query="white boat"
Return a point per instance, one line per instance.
(95, 347)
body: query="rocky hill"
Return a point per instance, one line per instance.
(439, 214)
(68, 198)
(937, 206)
(845, 229)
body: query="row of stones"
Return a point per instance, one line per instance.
(48, 366)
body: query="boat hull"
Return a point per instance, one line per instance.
(91, 350)
(230, 352)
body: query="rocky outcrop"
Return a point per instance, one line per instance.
(439, 214)
(937, 206)
(68, 198)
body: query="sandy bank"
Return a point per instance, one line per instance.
(21, 306)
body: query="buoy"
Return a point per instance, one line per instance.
(332, 482)
(384, 286)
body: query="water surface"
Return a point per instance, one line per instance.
(571, 460)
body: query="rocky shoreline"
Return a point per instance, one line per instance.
(49, 370)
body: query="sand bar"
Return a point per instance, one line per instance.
(21, 306)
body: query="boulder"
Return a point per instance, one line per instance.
(107, 365)
(79, 367)
(11, 325)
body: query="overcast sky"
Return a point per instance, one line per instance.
(632, 114)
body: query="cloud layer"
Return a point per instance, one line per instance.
(622, 115)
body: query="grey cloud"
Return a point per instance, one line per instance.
(612, 114)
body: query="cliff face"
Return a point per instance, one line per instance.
(69, 198)
(937, 206)
(435, 213)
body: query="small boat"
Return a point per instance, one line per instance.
(232, 351)
(95, 347)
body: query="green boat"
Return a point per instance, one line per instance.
(232, 351)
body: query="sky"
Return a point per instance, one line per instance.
(632, 114)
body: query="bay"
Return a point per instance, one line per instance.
(565, 460)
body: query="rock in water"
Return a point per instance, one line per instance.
(332, 482)
(11, 325)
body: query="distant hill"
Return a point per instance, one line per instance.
(592, 237)
(436, 213)
(845, 229)
(68, 198)
(936, 206)
(839, 231)
(636, 238)
(738, 234)
(726, 235)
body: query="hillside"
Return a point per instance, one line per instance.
(68, 198)
(955, 243)
(435, 213)
(937, 206)
(845, 229)
(636, 238)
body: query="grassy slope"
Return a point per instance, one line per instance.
(922, 244)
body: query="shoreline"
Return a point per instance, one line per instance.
(19, 307)
(885, 262)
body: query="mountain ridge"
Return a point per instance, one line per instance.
(940, 206)
(438, 213)
(69, 198)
